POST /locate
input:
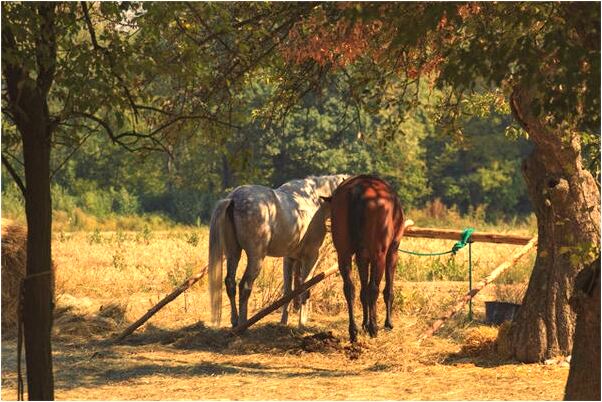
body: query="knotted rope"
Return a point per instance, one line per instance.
(464, 240)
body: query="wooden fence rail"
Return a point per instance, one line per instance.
(450, 234)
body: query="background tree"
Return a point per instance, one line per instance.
(71, 69)
(545, 58)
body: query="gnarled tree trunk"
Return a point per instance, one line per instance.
(583, 383)
(566, 201)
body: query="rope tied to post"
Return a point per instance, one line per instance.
(465, 238)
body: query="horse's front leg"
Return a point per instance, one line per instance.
(246, 285)
(287, 285)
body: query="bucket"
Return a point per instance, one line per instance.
(498, 312)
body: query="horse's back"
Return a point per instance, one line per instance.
(253, 211)
(273, 221)
(366, 214)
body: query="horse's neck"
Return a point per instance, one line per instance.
(317, 227)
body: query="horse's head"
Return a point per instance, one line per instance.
(325, 185)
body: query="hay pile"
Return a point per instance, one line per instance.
(14, 258)
(84, 317)
(480, 341)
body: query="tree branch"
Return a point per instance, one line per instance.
(46, 46)
(75, 149)
(14, 175)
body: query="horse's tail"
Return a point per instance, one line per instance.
(216, 254)
(356, 212)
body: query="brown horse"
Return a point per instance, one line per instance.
(367, 220)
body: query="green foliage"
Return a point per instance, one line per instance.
(590, 150)
(13, 204)
(368, 118)
(124, 203)
(480, 169)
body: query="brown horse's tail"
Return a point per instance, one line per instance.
(216, 254)
(356, 217)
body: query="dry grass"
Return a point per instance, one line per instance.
(108, 279)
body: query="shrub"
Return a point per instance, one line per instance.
(13, 204)
(61, 199)
(97, 203)
(124, 203)
(82, 221)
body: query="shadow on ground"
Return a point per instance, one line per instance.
(96, 363)
(271, 338)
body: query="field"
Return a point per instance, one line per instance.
(107, 279)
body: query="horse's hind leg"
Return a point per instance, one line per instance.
(287, 285)
(363, 264)
(232, 250)
(377, 269)
(246, 284)
(233, 257)
(349, 290)
(390, 279)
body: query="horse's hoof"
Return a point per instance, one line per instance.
(388, 326)
(353, 334)
(372, 330)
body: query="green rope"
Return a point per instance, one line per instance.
(424, 254)
(464, 240)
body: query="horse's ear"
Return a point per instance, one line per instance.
(327, 199)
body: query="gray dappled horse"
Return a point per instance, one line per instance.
(266, 222)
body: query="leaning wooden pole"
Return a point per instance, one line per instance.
(286, 298)
(518, 254)
(167, 299)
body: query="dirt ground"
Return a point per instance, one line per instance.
(107, 280)
(167, 360)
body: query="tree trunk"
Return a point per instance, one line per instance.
(566, 201)
(584, 376)
(37, 309)
(28, 102)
